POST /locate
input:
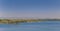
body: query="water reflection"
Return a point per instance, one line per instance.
(37, 26)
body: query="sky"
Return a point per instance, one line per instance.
(30, 8)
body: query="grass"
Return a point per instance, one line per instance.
(16, 21)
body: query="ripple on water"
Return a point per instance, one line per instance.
(37, 26)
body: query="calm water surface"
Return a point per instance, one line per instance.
(37, 26)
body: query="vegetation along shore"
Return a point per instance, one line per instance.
(16, 21)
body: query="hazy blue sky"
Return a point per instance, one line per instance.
(30, 8)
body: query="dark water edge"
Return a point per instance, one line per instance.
(33, 23)
(34, 26)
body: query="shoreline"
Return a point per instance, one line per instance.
(16, 21)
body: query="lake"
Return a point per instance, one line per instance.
(35, 26)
